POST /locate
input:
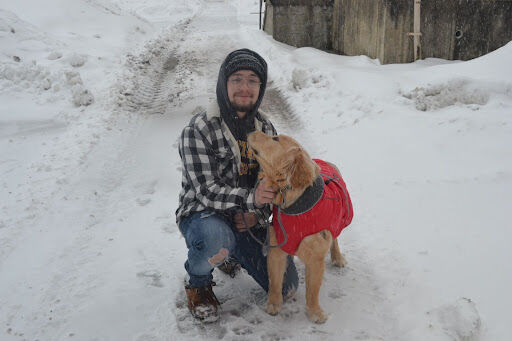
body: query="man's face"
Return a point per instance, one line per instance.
(243, 90)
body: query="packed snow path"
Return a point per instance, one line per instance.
(195, 52)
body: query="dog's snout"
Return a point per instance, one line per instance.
(252, 135)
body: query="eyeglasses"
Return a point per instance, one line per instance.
(238, 82)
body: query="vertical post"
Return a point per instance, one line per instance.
(417, 29)
(261, 6)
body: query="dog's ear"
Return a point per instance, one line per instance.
(302, 169)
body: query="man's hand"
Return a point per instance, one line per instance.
(264, 193)
(250, 219)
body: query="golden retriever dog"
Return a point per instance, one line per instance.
(291, 172)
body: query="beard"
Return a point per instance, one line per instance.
(243, 108)
(243, 101)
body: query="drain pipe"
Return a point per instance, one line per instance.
(261, 6)
(417, 30)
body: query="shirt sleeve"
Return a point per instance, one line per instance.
(201, 169)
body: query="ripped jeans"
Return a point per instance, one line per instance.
(206, 233)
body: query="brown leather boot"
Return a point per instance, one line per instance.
(230, 267)
(202, 303)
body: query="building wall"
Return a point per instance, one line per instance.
(451, 29)
(268, 19)
(303, 22)
(454, 29)
(373, 28)
(464, 29)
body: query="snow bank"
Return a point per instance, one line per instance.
(455, 91)
(42, 81)
(33, 62)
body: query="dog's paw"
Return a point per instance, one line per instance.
(317, 316)
(339, 261)
(273, 308)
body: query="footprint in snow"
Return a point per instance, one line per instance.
(336, 293)
(152, 277)
(459, 320)
(143, 202)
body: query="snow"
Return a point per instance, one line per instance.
(94, 94)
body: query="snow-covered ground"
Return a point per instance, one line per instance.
(93, 95)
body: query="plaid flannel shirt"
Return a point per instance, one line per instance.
(211, 162)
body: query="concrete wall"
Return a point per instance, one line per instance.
(302, 22)
(451, 29)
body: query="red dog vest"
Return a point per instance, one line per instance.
(332, 212)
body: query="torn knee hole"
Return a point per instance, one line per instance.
(219, 257)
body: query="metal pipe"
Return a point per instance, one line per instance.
(261, 5)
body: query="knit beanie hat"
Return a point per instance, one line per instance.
(243, 59)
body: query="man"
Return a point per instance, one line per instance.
(220, 197)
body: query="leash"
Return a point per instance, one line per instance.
(266, 245)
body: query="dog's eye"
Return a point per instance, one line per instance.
(275, 138)
(255, 151)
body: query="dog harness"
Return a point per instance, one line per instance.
(325, 205)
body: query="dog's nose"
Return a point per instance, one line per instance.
(255, 134)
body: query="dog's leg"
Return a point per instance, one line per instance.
(337, 258)
(276, 265)
(312, 251)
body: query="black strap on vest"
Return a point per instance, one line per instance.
(308, 199)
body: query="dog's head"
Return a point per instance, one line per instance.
(283, 161)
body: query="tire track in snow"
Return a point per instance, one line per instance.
(153, 82)
(280, 113)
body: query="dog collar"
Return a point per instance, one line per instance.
(308, 199)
